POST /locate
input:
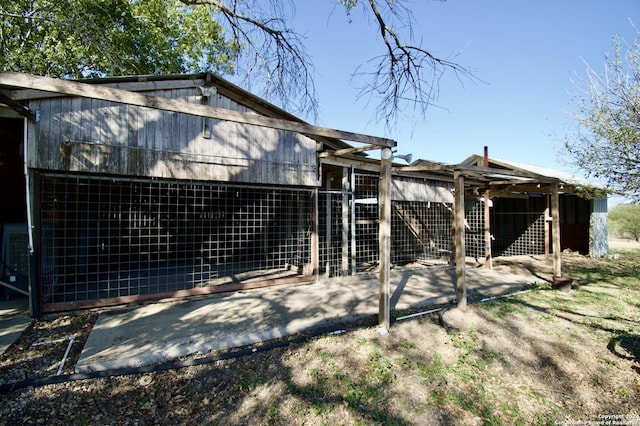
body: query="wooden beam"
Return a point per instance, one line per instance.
(490, 172)
(384, 301)
(132, 86)
(458, 240)
(555, 232)
(424, 168)
(74, 88)
(347, 151)
(5, 98)
(345, 221)
(513, 182)
(349, 162)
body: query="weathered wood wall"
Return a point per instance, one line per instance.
(87, 135)
(425, 190)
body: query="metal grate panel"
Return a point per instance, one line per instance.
(367, 221)
(331, 232)
(105, 238)
(518, 233)
(421, 232)
(474, 229)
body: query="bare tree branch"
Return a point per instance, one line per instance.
(272, 55)
(405, 76)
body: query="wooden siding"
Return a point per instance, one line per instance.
(415, 189)
(88, 135)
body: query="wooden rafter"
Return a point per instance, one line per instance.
(347, 151)
(5, 98)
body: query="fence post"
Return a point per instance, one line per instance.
(555, 232)
(458, 240)
(384, 308)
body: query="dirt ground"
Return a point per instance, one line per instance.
(541, 357)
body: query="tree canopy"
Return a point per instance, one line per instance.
(624, 219)
(606, 144)
(78, 38)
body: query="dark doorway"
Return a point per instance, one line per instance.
(14, 265)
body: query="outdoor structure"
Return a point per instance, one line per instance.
(137, 188)
(520, 214)
(140, 188)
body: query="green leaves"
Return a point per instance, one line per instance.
(607, 142)
(625, 220)
(76, 38)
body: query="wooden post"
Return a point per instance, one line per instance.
(345, 221)
(488, 261)
(384, 304)
(458, 240)
(555, 224)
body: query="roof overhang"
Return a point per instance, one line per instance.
(19, 87)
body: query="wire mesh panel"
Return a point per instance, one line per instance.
(367, 221)
(105, 238)
(331, 233)
(518, 226)
(474, 229)
(421, 232)
(518, 233)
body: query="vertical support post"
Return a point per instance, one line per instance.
(384, 303)
(345, 221)
(328, 217)
(458, 240)
(555, 223)
(488, 261)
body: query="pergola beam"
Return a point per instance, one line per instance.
(347, 151)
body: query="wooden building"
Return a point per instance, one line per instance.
(140, 188)
(520, 217)
(137, 188)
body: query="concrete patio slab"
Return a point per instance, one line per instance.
(161, 332)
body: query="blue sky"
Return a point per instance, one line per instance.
(524, 52)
